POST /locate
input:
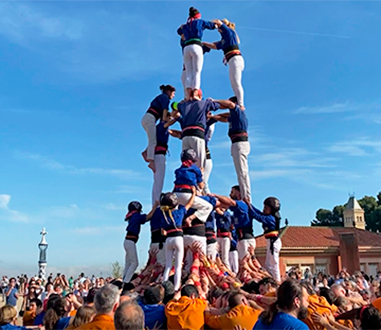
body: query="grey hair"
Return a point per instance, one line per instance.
(129, 316)
(105, 299)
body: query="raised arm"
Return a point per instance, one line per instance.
(191, 200)
(225, 104)
(225, 200)
(211, 45)
(222, 117)
(154, 207)
(175, 133)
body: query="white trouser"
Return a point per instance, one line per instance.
(233, 259)
(131, 260)
(149, 125)
(193, 61)
(160, 257)
(188, 241)
(272, 260)
(236, 66)
(183, 81)
(240, 151)
(211, 251)
(243, 245)
(174, 248)
(158, 178)
(203, 208)
(198, 145)
(207, 170)
(224, 243)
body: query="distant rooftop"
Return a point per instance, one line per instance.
(353, 204)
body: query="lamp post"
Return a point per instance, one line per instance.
(43, 246)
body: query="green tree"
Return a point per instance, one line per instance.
(323, 218)
(379, 198)
(117, 270)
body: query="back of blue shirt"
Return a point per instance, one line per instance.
(224, 221)
(191, 175)
(162, 135)
(195, 29)
(237, 120)
(177, 215)
(160, 103)
(281, 321)
(228, 39)
(134, 223)
(241, 215)
(194, 112)
(154, 315)
(12, 299)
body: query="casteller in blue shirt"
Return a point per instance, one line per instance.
(154, 315)
(9, 326)
(281, 321)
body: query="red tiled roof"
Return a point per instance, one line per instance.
(316, 237)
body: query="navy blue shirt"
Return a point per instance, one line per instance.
(153, 314)
(191, 175)
(228, 38)
(177, 215)
(237, 120)
(224, 221)
(135, 222)
(162, 137)
(62, 323)
(12, 299)
(242, 221)
(268, 221)
(155, 222)
(159, 104)
(195, 29)
(194, 112)
(281, 321)
(211, 221)
(11, 327)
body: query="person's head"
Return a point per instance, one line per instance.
(168, 200)
(230, 25)
(189, 291)
(234, 99)
(169, 90)
(271, 205)
(327, 294)
(292, 296)
(90, 296)
(133, 207)
(343, 304)
(237, 298)
(223, 300)
(58, 289)
(267, 285)
(12, 281)
(214, 294)
(129, 316)
(54, 313)
(8, 314)
(85, 314)
(194, 13)
(370, 318)
(153, 294)
(309, 287)
(34, 305)
(338, 290)
(106, 299)
(169, 291)
(188, 156)
(235, 193)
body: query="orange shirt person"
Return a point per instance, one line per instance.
(187, 312)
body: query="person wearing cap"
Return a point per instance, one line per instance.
(270, 220)
(223, 223)
(193, 58)
(229, 44)
(158, 110)
(189, 175)
(240, 148)
(193, 122)
(171, 224)
(135, 219)
(242, 222)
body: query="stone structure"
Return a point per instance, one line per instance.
(354, 214)
(42, 262)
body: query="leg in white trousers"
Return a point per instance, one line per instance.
(193, 61)
(131, 260)
(184, 80)
(233, 259)
(198, 145)
(160, 257)
(272, 260)
(236, 66)
(207, 171)
(240, 151)
(203, 208)
(174, 248)
(158, 178)
(243, 245)
(211, 251)
(188, 241)
(224, 243)
(149, 125)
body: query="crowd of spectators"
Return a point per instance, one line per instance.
(211, 297)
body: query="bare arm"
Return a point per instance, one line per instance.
(222, 117)
(175, 133)
(210, 45)
(154, 207)
(225, 200)
(225, 104)
(191, 200)
(170, 122)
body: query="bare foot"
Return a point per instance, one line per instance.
(151, 165)
(144, 155)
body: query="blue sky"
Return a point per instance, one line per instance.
(76, 78)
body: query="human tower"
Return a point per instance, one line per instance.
(191, 214)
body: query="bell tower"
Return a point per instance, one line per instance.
(354, 215)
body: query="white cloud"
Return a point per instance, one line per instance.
(339, 108)
(8, 214)
(51, 164)
(101, 230)
(114, 207)
(359, 147)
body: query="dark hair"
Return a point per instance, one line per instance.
(308, 286)
(129, 316)
(268, 280)
(193, 12)
(38, 302)
(54, 313)
(83, 315)
(287, 292)
(235, 299)
(370, 318)
(169, 291)
(167, 88)
(214, 294)
(90, 296)
(236, 187)
(233, 99)
(251, 287)
(153, 294)
(127, 287)
(188, 290)
(117, 283)
(327, 294)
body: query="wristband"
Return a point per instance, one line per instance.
(225, 286)
(258, 298)
(197, 283)
(193, 268)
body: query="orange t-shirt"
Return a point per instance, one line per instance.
(318, 305)
(28, 318)
(377, 304)
(242, 315)
(185, 313)
(100, 322)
